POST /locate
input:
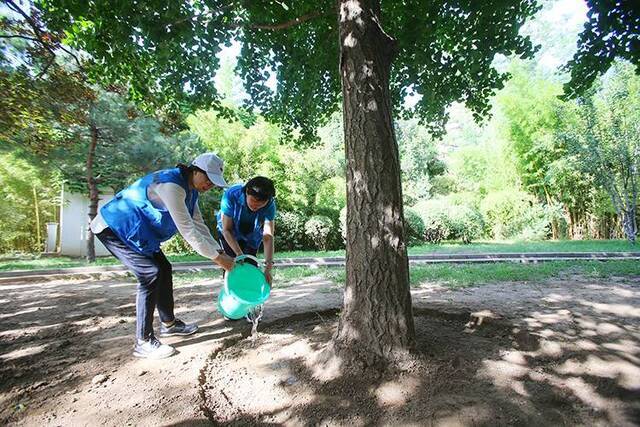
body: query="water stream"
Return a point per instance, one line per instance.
(254, 317)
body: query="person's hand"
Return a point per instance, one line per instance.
(225, 261)
(267, 275)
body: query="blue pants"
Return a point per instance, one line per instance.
(155, 282)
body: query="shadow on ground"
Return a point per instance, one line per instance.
(571, 359)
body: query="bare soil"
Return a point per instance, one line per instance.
(557, 352)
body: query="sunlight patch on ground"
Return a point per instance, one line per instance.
(626, 373)
(624, 310)
(23, 352)
(396, 393)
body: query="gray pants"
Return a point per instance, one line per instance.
(155, 282)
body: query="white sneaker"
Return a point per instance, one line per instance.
(153, 349)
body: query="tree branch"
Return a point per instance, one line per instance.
(39, 36)
(46, 67)
(18, 36)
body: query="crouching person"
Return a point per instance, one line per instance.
(246, 219)
(148, 212)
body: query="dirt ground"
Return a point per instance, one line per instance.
(559, 352)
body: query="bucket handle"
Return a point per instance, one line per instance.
(245, 256)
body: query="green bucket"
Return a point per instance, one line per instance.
(245, 287)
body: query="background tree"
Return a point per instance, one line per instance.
(93, 137)
(530, 106)
(604, 135)
(25, 190)
(115, 146)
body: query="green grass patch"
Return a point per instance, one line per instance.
(44, 263)
(182, 278)
(465, 275)
(283, 277)
(508, 246)
(31, 262)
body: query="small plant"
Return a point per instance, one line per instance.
(290, 231)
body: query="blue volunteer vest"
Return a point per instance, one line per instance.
(136, 221)
(236, 197)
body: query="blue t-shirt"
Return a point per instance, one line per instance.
(247, 224)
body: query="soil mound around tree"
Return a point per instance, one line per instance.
(468, 370)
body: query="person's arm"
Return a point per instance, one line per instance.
(197, 236)
(268, 242)
(227, 233)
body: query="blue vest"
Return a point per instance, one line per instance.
(237, 202)
(136, 221)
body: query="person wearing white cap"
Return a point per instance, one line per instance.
(148, 212)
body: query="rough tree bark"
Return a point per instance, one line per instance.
(376, 325)
(94, 195)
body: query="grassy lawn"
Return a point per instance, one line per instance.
(456, 275)
(36, 263)
(464, 275)
(524, 246)
(283, 277)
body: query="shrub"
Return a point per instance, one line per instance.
(444, 220)
(514, 214)
(536, 223)
(318, 230)
(290, 231)
(435, 221)
(414, 227)
(465, 223)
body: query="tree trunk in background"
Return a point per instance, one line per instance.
(630, 224)
(94, 196)
(376, 324)
(37, 209)
(625, 202)
(554, 221)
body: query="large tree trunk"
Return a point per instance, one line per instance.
(94, 196)
(376, 325)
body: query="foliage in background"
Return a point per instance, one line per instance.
(414, 227)
(24, 189)
(318, 230)
(604, 137)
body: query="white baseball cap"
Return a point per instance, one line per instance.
(213, 166)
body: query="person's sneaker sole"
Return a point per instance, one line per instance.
(153, 356)
(178, 334)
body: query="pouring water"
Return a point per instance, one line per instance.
(254, 316)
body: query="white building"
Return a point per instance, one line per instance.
(74, 224)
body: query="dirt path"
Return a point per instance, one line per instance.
(65, 346)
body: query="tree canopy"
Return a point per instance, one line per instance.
(612, 31)
(167, 52)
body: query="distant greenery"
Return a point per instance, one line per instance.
(539, 168)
